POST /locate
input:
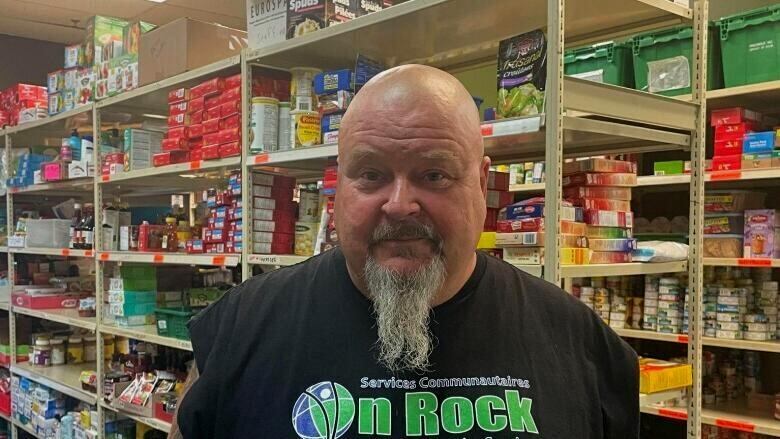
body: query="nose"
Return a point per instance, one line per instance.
(402, 202)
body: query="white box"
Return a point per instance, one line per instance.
(266, 22)
(37, 177)
(80, 168)
(140, 146)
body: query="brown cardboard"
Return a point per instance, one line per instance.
(183, 45)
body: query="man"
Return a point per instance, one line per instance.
(407, 330)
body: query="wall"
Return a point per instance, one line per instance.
(26, 60)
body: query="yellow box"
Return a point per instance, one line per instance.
(659, 375)
(575, 256)
(487, 240)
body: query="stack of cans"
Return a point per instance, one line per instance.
(619, 302)
(650, 316)
(670, 305)
(730, 309)
(601, 299)
(587, 296)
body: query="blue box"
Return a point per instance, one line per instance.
(330, 82)
(331, 122)
(758, 142)
(522, 211)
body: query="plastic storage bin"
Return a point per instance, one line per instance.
(172, 322)
(48, 233)
(750, 43)
(722, 246)
(663, 61)
(607, 62)
(139, 277)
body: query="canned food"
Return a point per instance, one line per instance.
(302, 96)
(305, 128)
(264, 133)
(284, 126)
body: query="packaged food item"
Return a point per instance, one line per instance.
(305, 238)
(759, 142)
(609, 218)
(599, 165)
(207, 88)
(176, 144)
(305, 128)
(176, 120)
(722, 246)
(575, 256)
(659, 375)
(534, 208)
(735, 131)
(284, 127)
(330, 127)
(523, 255)
(536, 239)
(179, 108)
(732, 201)
(730, 335)
(596, 232)
(757, 161)
(612, 245)
(326, 83)
(178, 95)
(304, 17)
(671, 167)
(522, 74)
(728, 147)
(762, 234)
(609, 257)
(734, 115)
(302, 97)
(231, 149)
(724, 223)
(727, 162)
(612, 193)
(602, 204)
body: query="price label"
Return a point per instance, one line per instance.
(725, 175)
(749, 262)
(674, 414)
(268, 260)
(105, 178)
(103, 256)
(195, 164)
(260, 159)
(487, 130)
(158, 258)
(682, 339)
(88, 253)
(735, 425)
(218, 260)
(65, 252)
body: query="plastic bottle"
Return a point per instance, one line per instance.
(74, 223)
(143, 236)
(183, 233)
(66, 154)
(66, 427)
(169, 238)
(75, 145)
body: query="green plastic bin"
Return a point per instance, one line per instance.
(661, 51)
(172, 322)
(751, 46)
(607, 62)
(139, 277)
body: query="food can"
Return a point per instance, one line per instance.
(305, 128)
(302, 96)
(264, 131)
(285, 124)
(309, 206)
(305, 237)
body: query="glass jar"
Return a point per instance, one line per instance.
(75, 350)
(42, 352)
(90, 348)
(57, 351)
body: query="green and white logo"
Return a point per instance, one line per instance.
(324, 411)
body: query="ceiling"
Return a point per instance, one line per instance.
(63, 21)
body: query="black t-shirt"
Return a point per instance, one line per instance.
(291, 353)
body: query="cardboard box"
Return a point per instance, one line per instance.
(659, 375)
(266, 22)
(183, 45)
(49, 301)
(762, 233)
(759, 142)
(668, 168)
(140, 146)
(727, 163)
(757, 161)
(304, 17)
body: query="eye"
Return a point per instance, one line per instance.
(434, 177)
(370, 176)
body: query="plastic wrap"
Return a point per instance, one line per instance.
(722, 246)
(609, 218)
(612, 193)
(593, 179)
(612, 245)
(598, 165)
(660, 251)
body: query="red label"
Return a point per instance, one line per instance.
(14, 190)
(103, 256)
(195, 164)
(735, 425)
(674, 414)
(261, 158)
(65, 252)
(749, 262)
(682, 339)
(218, 260)
(158, 259)
(105, 178)
(725, 175)
(88, 253)
(487, 130)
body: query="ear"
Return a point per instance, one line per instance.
(483, 174)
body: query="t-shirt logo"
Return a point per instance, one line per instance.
(324, 411)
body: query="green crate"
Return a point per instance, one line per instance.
(172, 322)
(607, 62)
(751, 46)
(139, 277)
(131, 309)
(668, 44)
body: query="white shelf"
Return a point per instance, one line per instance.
(625, 269)
(748, 345)
(276, 260)
(654, 398)
(66, 316)
(192, 168)
(671, 7)
(26, 427)
(733, 415)
(65, 252)
(530, 187)
(63, 378)
(663, 180)
(712, 177)
(80, 184)
(3, 249)
(226, 259)
(147, 333)
(741, 262)
(651, 335)
(49, 120)
(157, 424)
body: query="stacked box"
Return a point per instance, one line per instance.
(671, 305)
(25, 169)
(731, 307)
(619, 302)
(601, 299)
(335, 90)
(22, 103)
(273, 214)
(760, 324)
(526, 173)
(762, 234)
(588, 296)
(139, 146)
(224, 232)
(732, 126)
(498, 196)
(650, 310)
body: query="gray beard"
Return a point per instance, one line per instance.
(402, 308)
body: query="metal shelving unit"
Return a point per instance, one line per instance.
(64, 378)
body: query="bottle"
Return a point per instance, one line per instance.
(75, 145)
(169, 239)
(143, 236)
(183, 233)
(74, 223)
(108, 233)
(66, 154)
(88, 229)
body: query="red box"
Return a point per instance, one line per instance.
(499, 199)
(522, 225)
(178, 95)
(197, 117)
(728, 147)
(230, 135)
(211, 126)
(215, 248)
(735, 131)
(727, 162)
(211, 139)
(194, 246)
(233, 121)
(490, 220)
(176, 120)
(195, 143)
(230, 108)
(602, 204)
(230, 149)
(278, 192)
(197, 104)
(54, 301)
(5, 401)
(196, 154)
(213, 113)
(273, 226)
(277, 215)
(232, 94)
(170, 157)
(212, 101)
(196, 131)
(177, 133)
(498, 181)
(115, 157)
(735, 115)
(273, 237)
(178, 108)
(210, 152)
(208, 88)
(216, 235)
(179, 144)
(161, 414)
(233, 81)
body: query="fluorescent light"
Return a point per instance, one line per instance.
(157, 1)
(155, 116)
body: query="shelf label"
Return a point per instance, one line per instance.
(260, 159)
(682, 339)
(725, 175)
(268, 260)
(735, 425)
(750, 262)
(218, 260)
(674, 414)
(65, 252)
(195, 164)
(14, 190)
(88, 253)
(511, 126)
(158, 258)
(105, 178)
(103, 256)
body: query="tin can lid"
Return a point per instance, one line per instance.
(265, 100)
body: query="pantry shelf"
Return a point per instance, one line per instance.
(454, 31)
(761, 96)
(157, 424)
(736, 415)
(625, 269)
(57, 122)
(280, 260)
(741, 262)
(146, 333)
(522, 188)
(228, 260)
(60, 188)
(654, 398)
(750, 345)
(186, 172)
(26, 427)
(65, 252)
(651, 335)
(65, 316)
(63, 378)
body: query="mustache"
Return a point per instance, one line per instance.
(405, 230)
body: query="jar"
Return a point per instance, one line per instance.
(75, 350)
(108, 347)
(57, 351)
(42, 352)
(90, 348)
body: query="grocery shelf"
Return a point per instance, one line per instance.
(736, 415)
(654, 398)
(299, 162)
(671, 7)
(741, 262)
(147, 333)
(651, 335)
(51, 120)
(65, 252)
(179, 178)
(26, 427)
(192, 168)
(63, 378)
(662, 180)
(83, 184)
(227, 259)
(530, 187)
(748, 345)
(453, 31)
(624, 269)
(761, 96)
(157, 424)
(280, 260)
(66, 316)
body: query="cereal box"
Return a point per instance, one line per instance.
(762, 234)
